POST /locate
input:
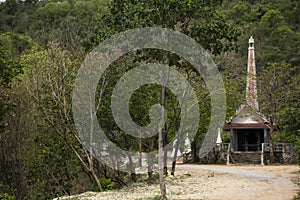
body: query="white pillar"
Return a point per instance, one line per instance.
(232, 140)
(219, 139)
(262, 154)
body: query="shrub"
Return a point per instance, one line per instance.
(6, 196)
(106, 184)
(221, 161)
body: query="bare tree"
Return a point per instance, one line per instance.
(49, 83)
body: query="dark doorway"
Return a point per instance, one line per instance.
(249, 139)
(241, 141)
(252, 141)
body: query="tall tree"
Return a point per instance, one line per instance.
(279, 96)
(198, 19)
(49, 82)
(12, 119)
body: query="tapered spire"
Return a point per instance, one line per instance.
(251, 88)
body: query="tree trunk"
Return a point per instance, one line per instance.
(165, 143)
(131, 164)
(175, 157)
(179, 137)
(150, 172)
(89, 169)
(194, 152)
(150, 161)
(95, 179)
(174, 162)
(175, 153)
(132, 168)
(161, 145)
(272, 160)
(160, 166)
(140, 150)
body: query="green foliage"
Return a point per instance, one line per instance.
(221, 161)
(12, 46)
(52, 162)
(271, 20)
(53, 10)
(155, 198)
(6, 196)
(240, 9)
(279, 94)
(199, 19)
(106, 184)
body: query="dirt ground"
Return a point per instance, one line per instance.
(215, 182)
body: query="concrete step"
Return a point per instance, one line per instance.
(247, 157)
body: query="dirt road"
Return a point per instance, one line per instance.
(248, 182)
(216, 182)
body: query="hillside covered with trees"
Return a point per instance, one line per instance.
(42, 46)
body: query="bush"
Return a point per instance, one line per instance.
(106, 184)
(221, 161)
(6, 196)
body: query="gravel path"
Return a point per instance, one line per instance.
(229, 170)
(268, 182)
(214, 182)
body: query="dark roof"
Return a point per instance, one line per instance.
(244, 125)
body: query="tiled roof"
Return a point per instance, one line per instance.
(245, 125)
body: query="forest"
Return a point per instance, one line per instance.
(43, 44)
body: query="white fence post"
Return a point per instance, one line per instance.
(262, 154)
